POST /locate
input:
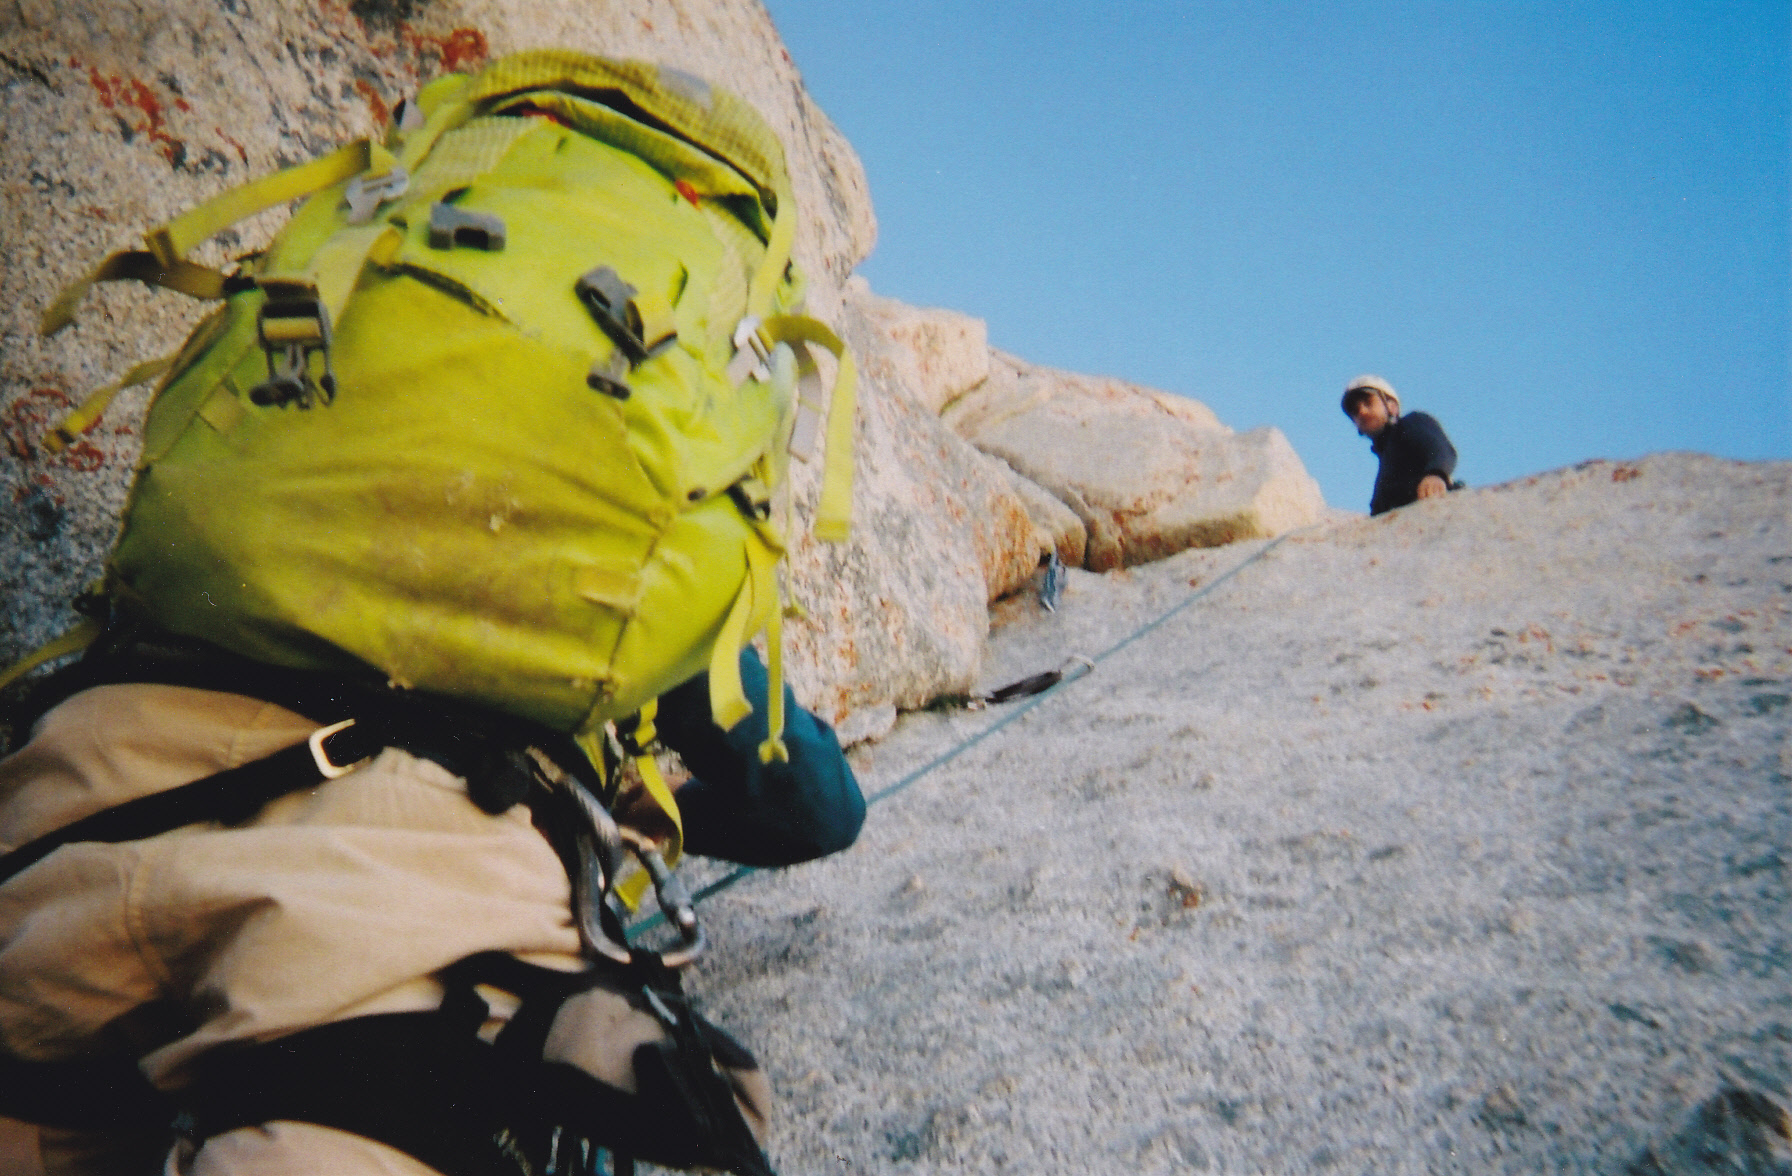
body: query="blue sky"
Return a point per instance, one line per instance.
(1562, 227)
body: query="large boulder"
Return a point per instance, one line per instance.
(934, 356)
(1148, 474)
(901, 611)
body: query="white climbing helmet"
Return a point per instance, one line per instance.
(1369, 384)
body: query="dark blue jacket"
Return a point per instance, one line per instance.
(1411, 447)
(759, 814)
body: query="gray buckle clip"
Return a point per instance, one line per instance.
(366, 193)
(610, 376)
(611, 302)
(450, 226)
(290, 326)
(407, 115)
(751, 355)
(753, 498)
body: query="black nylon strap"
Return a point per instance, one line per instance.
(231, 796)
(96, 1094)
(481, 747)
(458, 735)
(408, 1080)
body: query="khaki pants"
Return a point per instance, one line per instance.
(335, 902)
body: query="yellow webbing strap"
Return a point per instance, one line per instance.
(336, 267)
(631, 888)
(73, 641)
(452, 112)
(164, 263)
(80, 420)
(728, 703)
(764, 286)
(172, 241)
(334, 270)
(196, 281)
(833, 515)
(774, 747)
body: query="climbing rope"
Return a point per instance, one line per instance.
(1032, 703)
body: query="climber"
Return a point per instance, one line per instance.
(366, 885)
(1417, 459)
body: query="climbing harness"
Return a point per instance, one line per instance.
(427, 1083)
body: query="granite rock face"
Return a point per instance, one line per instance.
(933, 356)
(1147, 473)
(1058, 527)
(1448, 841)
(900, 612)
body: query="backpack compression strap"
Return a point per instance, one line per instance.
(330, 279)
(833, 514)
(165, 263)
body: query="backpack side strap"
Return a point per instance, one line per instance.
(429, 1085)
(237, 794)
(412, 1081)
(356, 721)
(88, 1094)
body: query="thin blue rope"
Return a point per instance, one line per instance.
(1014, 716)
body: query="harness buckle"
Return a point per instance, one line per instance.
(325, 768)
(293, 323)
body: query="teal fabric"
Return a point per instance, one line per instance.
(754, 813)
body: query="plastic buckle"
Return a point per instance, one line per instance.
(450, 226)
(366, 193)
(290, 326)
(610, 376)
(611, 302)
(753, 497)
(325, 768)
(751, 355)
(407, 115)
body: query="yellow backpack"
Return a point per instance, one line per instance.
(503, 412)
